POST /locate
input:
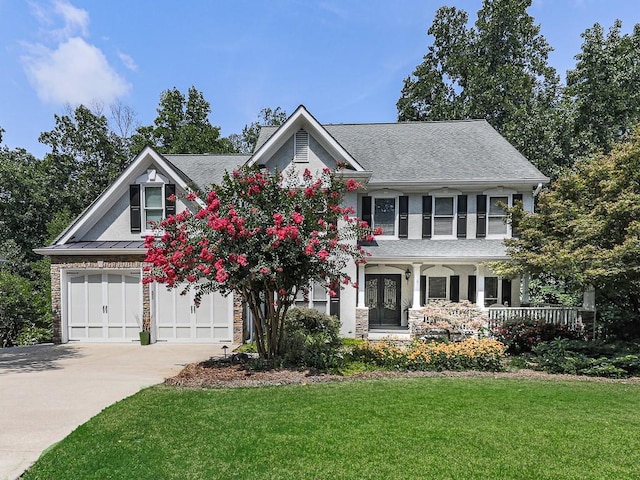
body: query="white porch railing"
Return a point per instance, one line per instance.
(569, 316)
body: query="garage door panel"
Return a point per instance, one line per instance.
(104, 306)
(178, 318)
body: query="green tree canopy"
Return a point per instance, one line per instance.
(497, 71)
(603, 89)
(181, 126)
(586, 230)
(246, 142)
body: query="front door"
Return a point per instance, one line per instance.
(382, 296)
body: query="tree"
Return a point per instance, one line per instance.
(85, 158)
(246, 142)
(181, 126)
(603, 88)
(586, 230)
(497, 71)
(264, 237)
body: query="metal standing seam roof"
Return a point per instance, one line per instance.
(431, 151)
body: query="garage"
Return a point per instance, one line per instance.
(104, 305)
(177, 319)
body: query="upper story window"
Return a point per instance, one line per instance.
(384, 215)
(496, 218)
(151, 199)
(443, 216)
(153, 205)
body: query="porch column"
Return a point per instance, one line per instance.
(480, 286)
(416, 286)
(525, 289)
(361, 286)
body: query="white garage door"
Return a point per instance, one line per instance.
(179, 320)
(104, 306)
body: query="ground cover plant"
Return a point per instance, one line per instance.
(594, 358)
(454, 428)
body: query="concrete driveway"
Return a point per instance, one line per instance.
(46, 391)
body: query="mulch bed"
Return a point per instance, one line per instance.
(223, 373)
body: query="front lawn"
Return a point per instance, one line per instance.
(409, 428)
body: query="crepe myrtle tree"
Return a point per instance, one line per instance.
(264, 236)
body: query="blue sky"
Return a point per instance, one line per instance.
(344, 59)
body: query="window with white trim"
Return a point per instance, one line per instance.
(153, 201)
(437, 288)
(443, 216)
(317, 297)
(496, 216)
(384, 215)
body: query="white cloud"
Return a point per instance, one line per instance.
(75, 72)
(68, 69)
(128, 61)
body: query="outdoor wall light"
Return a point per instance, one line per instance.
(407, 274)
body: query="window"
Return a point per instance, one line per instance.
(153, 206)
(497, 215)
(384, 215)
(443, 216)
(316, 297)
(437, 288)
(490, 291)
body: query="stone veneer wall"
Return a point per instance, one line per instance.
(90, 262)
(362, 323)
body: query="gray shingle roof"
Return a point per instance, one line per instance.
(448, 151)
(206, 169)
(477, 249)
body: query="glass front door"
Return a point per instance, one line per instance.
(382, 296)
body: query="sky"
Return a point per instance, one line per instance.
(345, 60)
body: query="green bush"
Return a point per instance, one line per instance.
(522, 334)
(617, 360)
(312, 339)
(31, 334)
(19, 306)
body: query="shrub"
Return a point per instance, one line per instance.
(461, 318)
(19, 306)
(31, 334)
(588, 358)
(420, 355)
(312, 339)
(522, 334)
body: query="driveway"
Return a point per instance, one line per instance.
(46, 391)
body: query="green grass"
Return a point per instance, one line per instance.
(420, 428)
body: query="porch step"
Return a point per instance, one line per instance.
(378, 335)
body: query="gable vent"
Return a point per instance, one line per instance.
(301, 147)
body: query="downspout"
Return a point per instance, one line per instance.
(536, 191)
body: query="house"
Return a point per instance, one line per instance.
(437, 190)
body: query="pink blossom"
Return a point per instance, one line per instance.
(352, 185)
(242, 260)
(297, 218)
(323, 255)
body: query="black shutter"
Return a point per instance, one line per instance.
(454, 288)
(462, 216)
(169, 205)
(135, 213)
(506, 291)
(403, 226)
(366, 210)
(481, 220)
(423, 290)
(334, 304)
(517, 198)
(471, 289)
(426, 216)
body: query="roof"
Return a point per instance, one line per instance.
(416, 152)
(94, 248)
(206, 169)
(479, 249)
